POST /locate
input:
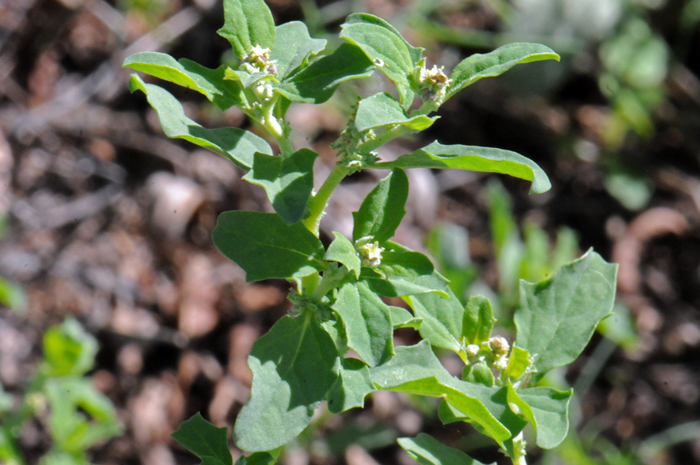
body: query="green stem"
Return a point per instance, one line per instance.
(331, 278)
(285, 146)
(317, 204)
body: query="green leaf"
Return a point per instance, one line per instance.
(186, 73)
(288, 182)
(556, 317)
(382, 110)
(442, 319)
(267, 247)
(386, 48)
(237, 145)
(294, 47)
(478, 66)
(247, 23)
(518, 363)
(402, 318)
(478, 320)
(204, 440)
(427, 450)
(548, 411)
(383, 209)
(12, 296)
(479, 373)
(367, 323)
(317, 82)
(294, 365)
(351, 387)
(416, 370)
(343, 251)
(403, 273)
(464, 157)
(244, 79)
(68, 350)
(258, 458)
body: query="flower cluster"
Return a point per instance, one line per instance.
(370, 252)
(433, 82)
(258, 61)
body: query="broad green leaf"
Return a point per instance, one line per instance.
(442, 319)
(548, 411)
(464, 157)
(478, 320)
(317, 82)
(478, 66)
(416, 370)
(186, 73)
(267, 247)
(386, 48)
(237, 145)
(518, 363)
(71, 430)
(383, 208)
(68, 350)
(288, 182)
(403, 273)
(367, 323)
(351, 387)
(204, 440)
(427, 450)
(402, 318)
(556, 317)
(294, 47)
(382, 110)
(343, 251)
(258, 458)
(247, 23)
(294, 366)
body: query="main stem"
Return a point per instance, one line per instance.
(317, 204)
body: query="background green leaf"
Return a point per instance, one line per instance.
(266, 247)
(204, 440)
(293, 47)
(294, 365)
(68, 350)
(351, 387)
(479, 66)
(237, 145)
(382, 110)
(383, 209)
(247, 23)
(343, 251)
(473, 158)
(427, 450)
(556, 317)
(288, 182)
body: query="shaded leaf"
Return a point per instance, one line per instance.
(204, 440)
(382, 110)
(479, 66)
(237, 145)
(186, 73)
(548, 411)
(464, 157)
(383, 209)
(266, 247)
(247, 23)
(427, 450)
(343, 251)
(402, 318)
(293, 47)
(351, 387)
(317, 82)
(294, 365)
(556, 318)
(288, 182)
(258, 458)
(367, 322)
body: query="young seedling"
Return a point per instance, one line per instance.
(302, 360)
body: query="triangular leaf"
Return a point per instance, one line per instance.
(427, 450)
(548, 411)
(471, 158)
(288, 182)
(383, 209)
(557, 317)
(367, 322)
(381, 110)
(351, 387)
(237, 145)
(479, 66)
(247, 23)
(293, 47)
(203, 439)
(294, 365)
(266, 247)
(343, 251)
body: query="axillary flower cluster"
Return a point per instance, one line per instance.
(432, 83)
(370, 252)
